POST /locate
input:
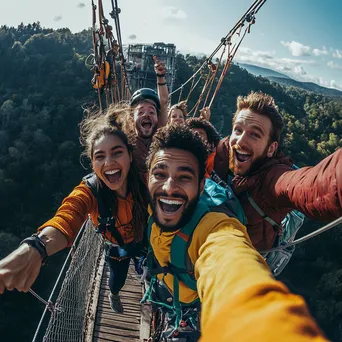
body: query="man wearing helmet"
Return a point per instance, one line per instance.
(149, 113)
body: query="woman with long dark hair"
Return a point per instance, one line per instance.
(115, 187)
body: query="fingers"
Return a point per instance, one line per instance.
(159, 66)
(2, 287)
(31, 279)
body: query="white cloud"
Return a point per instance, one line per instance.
(318, 52)
(297, 49)
(299, 70)
(337, 53)
(132, 37)
(57, 18)
(333, 65)
(173, 13)
(292, 67)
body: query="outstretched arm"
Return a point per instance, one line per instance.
(241, 301)
(315, 191)
(163, 92)
(20, 269)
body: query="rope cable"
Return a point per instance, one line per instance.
(308, 236)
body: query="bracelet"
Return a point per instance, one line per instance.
(160, 75)
(161, 84)
(36, 242)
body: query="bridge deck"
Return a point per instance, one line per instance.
(133, 324)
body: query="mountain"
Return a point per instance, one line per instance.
(310, 86)
(259, 71)
(285, 80)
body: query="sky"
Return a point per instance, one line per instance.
(300, 38)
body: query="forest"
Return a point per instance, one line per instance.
(44, 86)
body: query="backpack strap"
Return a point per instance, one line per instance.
(277, 227)
(103, 197)
(180, 258)
(220, 197)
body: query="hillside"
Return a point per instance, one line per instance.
(43, 86)
(260, 71)
(285, 80)
(309, 86)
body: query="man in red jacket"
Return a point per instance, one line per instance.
(251, 156)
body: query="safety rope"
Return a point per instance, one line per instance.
(249, 16)
(207, 81)
(125, 89)
(180, 95)
(214, 76)
(229, 60)
(193, 87)
(96, 54)
(306, 237)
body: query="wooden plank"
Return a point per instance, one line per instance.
(134, 324)
(119, 330)
(127, 324)
(145, 324)
(119, 318)
(115, 337)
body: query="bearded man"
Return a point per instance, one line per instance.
(251, 162)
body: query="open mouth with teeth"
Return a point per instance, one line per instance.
(146, 124)
(113, 176)
(170, 206)
(242, 157)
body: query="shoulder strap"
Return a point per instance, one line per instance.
(106, 220)
(179, 247)
(277, 227)
(220, 198)
(274, 224)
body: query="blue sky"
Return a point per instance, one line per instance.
(301, 38)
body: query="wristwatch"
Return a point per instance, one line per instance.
(36, 242)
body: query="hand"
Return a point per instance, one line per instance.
(20, 269)
(159, 66)
(205, 113)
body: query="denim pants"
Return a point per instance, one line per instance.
(117, 273)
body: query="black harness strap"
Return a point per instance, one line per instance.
(103, 197)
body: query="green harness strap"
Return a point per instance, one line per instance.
(179, 256)
(180, 245)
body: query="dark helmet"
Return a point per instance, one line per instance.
(145, 94)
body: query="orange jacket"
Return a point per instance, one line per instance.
(81, 202)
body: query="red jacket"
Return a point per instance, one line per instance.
(278, 189)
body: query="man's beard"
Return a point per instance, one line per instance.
(185, 218)
(257, 163)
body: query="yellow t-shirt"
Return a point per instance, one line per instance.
(241, 301)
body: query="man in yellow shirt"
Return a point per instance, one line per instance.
(240, 299)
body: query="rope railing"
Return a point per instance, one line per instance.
(68, 320)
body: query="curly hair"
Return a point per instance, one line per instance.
(182, 106)
(212, 134)
(262, 104)
(94, 126)
(182, 138)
